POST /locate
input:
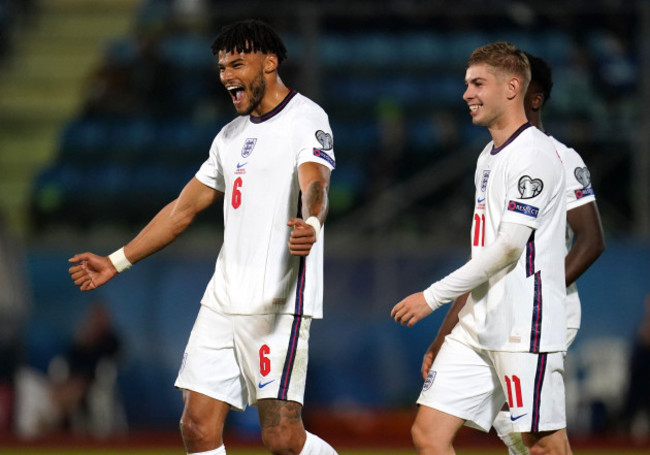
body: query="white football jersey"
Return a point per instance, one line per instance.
(254, 161)
(521, 308)
(578, 192)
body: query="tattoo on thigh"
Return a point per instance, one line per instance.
(275, 413)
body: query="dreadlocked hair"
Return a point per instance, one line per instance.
(247, 36)
(541, 75)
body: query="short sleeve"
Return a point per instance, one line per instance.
(313, 139)
(578, 181)
(534, 180)
(210, 172)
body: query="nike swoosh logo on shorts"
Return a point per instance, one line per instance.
(513, 418)
(262, 385)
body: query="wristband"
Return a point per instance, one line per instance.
(315, 223)
(119, 260)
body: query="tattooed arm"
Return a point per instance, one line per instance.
(314, 180)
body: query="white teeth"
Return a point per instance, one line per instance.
(474, 107)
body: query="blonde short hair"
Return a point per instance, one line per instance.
(505, 57)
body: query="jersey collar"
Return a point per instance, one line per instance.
(276, 110)
(514, 136)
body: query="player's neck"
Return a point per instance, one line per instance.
(535, 119)
(506, 127)
(276, 92)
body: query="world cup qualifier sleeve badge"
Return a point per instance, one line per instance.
(583, 177)
(530, 187)
(326, 143)
(325, 140)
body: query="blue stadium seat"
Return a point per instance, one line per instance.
(335, 51)
(461, 44)
(556, 48)
(132, 140)
(85, 140)
(121, 50)
(355, 136)
(185, 142)
(188, 52)
(425, 49)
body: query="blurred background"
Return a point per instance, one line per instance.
(107, 108)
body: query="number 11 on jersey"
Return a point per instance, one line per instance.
(479, 230)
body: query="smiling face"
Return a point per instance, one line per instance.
(243, 76)
(486, 94)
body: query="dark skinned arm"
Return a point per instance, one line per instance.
(589, 240)
(450, 321)
(314, 181)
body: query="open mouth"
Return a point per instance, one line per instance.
(236, 93)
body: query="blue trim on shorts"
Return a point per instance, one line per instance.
(290, 359)
(542, 360)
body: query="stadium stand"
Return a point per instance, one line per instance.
(115, 118)
(392, 88)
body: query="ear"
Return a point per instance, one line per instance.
(536, 101)
(513, 87)
(270, 63)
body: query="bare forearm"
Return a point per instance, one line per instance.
(450, 321)
(315, 201)
(590, 240)
(162, 230)
(580, 257)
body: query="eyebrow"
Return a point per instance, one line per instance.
(232, 62)
(474, 80)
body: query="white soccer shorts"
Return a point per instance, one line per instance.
(239, 359)
(571, 334)
(473, 385)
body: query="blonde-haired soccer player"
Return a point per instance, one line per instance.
(509, 343)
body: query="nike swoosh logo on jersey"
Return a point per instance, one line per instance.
(479, 200)
(262, 385)
(239, 166)
(513, 418)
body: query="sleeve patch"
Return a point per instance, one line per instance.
(584, 192)
(524, 209)
(325, 139)
(583, 176)
(321, 154)
(530, 187)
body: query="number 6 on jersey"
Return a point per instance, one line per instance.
(236, 194)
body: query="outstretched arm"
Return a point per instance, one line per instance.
(314, 180)
(590, 240)
(91, 271)
(506, 250)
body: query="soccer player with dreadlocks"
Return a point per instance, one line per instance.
(272, 164)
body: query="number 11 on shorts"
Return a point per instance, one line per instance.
(516, 383)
